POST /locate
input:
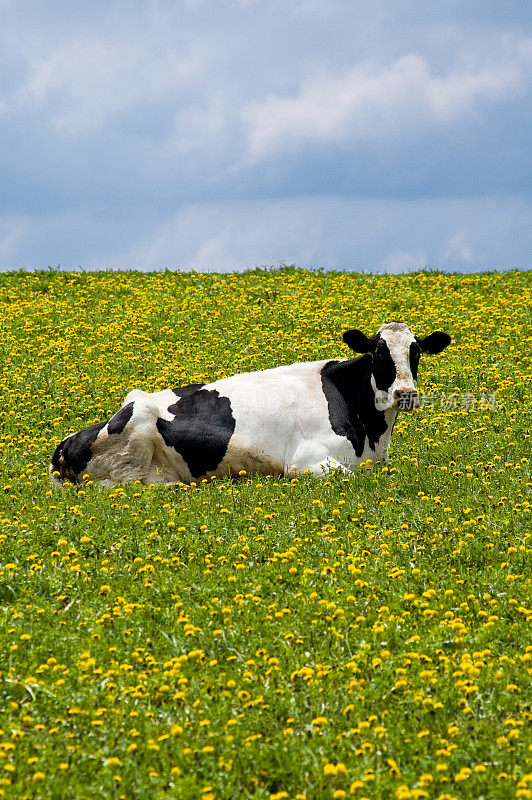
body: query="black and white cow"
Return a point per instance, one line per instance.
(307, 416)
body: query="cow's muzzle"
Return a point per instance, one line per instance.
(398, 399)
(405, 399)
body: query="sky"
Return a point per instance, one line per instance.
(221, 135)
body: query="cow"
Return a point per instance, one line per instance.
(313, 416)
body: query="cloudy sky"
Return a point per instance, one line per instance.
(223, 134)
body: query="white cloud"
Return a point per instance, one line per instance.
(371, 102)
(85, 82)
(226, 236)
(385, 235)
(459, 248)
(235, 91)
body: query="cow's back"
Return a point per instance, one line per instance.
(274, 410)
(263, 422)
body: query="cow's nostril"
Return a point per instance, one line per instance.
(406, 399)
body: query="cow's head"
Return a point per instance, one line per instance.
(395, 353)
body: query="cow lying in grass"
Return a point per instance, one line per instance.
(308, 416)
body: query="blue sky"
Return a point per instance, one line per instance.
(224, 134)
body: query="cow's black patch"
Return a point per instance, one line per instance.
(120, 419)
(74, 453)
(351, 401)
(184, 391)
(201, 429)
(383, 366)
(55, 462)
(181, 391)
(414, 355)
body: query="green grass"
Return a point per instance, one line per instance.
(365, 636)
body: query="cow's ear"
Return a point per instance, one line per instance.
(435, 342)
(357, 341)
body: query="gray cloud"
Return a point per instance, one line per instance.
(326, 132)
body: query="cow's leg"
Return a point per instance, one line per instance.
(132, 461)
(122, 452)
(121, 458)
(131, 456)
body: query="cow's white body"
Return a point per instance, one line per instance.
(282, 428)
(310, 416)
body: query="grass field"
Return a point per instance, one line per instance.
(364, 637)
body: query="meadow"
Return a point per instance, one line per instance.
(363, 637)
